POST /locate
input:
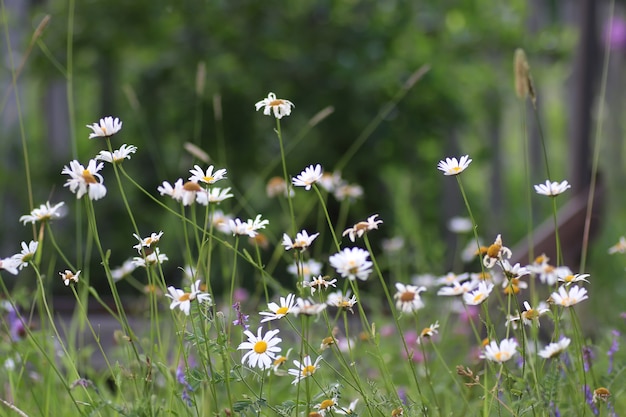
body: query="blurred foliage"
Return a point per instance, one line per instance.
(140, 61)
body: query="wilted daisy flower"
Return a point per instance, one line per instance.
(10, 265)
(106, 128)
(479, 295)
(308, 177)
(568, 298)
(150, 259)
(496, 252)
(279, 311)
(306, 269)
(27, 254)
(68, 276)
(337, 299)
(304, 369)
(183, 299)
(262, 350)
(430, 331)
(301, 242)
(552, 189)
(214, 195)
(408, 297)
(117, 156)
(619, 247)
(529, 315)
(208, 177)
(571, 278)
(127, 268)
(279, 107)
(279, 362)
(307, 307)
(43, 213)
(554, 349)
(329, 405)
(501, 353)
(352, 263)
(457, 289)
(149, 242)
(83, 180)
(452, 166)
(359, 229)
(250, 227)
(319, 283)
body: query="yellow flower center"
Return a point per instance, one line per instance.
(326, 404)
(494, 250)
(478, 297)
(455, 169)
(308, 370)
(499, 356)
(208, 179)
(277, 102)
(426, 332)
(185, 297)
(280, 360)
(282, 310)
(568, 278)
(260, 346)
(191, 186)
(530, 314)
(89, 179)
(407, 296)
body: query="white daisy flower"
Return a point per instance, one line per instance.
(117, 156)
(148, 242)
(27, 254)
(408, 297)
(221, 221)
(127, 268)
(502, 353)
(286, 306)
(85, 180)
(215, 195)
(552, 189)
(479, 295)
(496, 252)
(359, 229)
(43, 213)
(308, 308)
(329, 405)
(350, 192)
(250, 227)
(262, 349)
(280, 107)
(183, 299)
(451, 278)
(555, 349)
(352, 263)
(175, 191)
(301, 242)
(68, 276)
(457, 289)
(529, 315)
(319, 283)
(304, 369)
(106, 128)
(619, 247)
(430, 331)
(151, 259)
(452, 166)
(571, 278)
(337, 299)
(308, 177)
(208, 177)
(10, 265)
(306, 269)
(569, 298)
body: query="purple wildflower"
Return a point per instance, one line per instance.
(614, 347)
(242, 319)
(589, 400)
(555, 411)
(587, 357)
(16, 325)
(182, 379)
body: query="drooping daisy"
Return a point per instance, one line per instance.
(548, 274)
(452, 166)
(68, 276)
(408, 297)
(151, 259)
(430, 331)
(337, 299)
(306, 269)
(280, 107)
(349, 410)
(118, 155)
(302, 241)
(175, 191)
(190, 191)
(250, 227)
(215, 195)
(568, 298)
(552, 189)
(359, 229)
(307, 307)
(107, 127)
(183, 299)
(10, 265)
(529, 315)
(304, 369)
(308, 177)
(85, 180)
(619, 247)
(220, 221)
(352, 263)
(496, 252)
(262, 349)
(502, 353)
(27, 254)
(43, 213)
(148, 243)
(554, 349)
(279, 362)
(571, 278)
(479, 295)
(279, 311)
(329, 405)
(208, 177)
(319, 283)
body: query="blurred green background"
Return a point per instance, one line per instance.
(191, 71)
